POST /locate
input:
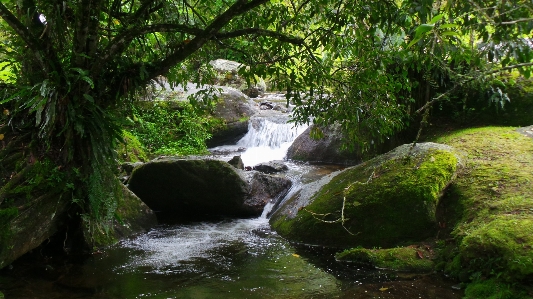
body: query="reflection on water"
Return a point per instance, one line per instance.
(239, 258)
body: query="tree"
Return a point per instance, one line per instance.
(78, 63)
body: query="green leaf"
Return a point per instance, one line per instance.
(88, 80)
(436, 18)
(88, 98)
(423, 29)
(450, 33)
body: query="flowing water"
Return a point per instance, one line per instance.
(268, 140)
(226, 258)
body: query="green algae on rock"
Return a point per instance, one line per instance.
(132, 216)
(383, 202)
(408, 259)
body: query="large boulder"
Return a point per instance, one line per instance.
(383, 202)
(181, 188)
(226, 66)
(26, 228)
(327, 149)
(45, 221)
(235, 109)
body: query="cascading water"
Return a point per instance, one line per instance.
(268, 139)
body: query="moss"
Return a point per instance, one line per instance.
(385, 203)
(493, 237)
(6, 215)
(503, 245)
(131, 150)
(400, 259)
(494, 289)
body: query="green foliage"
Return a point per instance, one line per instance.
(131, 149)
(104, 191)
(171, 128)
(368, 65)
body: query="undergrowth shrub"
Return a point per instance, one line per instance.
(171, 128)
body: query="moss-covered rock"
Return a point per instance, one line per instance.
(132, 216)
(184, 187)
(131, 150)
(491, 239)
(503, 244)
(494, 289)
(234, 109)
(327, 149)
(411, 259)
(30, 226)
(384, 202)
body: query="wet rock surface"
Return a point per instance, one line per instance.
(271, 167)
(325, 150)
(235, 109)
(236, 162)
(32, 226)
(265, 189)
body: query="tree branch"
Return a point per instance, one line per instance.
(261, 32)
(19, 28)
(516, 21)
(238, 8)
(122, 40)
(182, 51)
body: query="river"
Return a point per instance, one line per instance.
(222, 258)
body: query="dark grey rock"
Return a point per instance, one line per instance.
(327, 149)
(190, 188)
(264, 189)
(179, 189)
(235, 109)
(271, 167)
(236, 162)
(33, 225)
(127, 167)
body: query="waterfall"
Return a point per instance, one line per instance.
(268, 139)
